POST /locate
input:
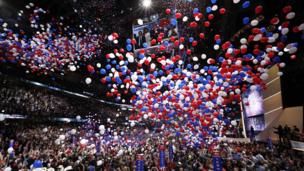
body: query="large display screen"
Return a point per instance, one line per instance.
(253, 110)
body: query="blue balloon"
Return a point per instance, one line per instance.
(103, 71)
(108, 67)
(213, 1)
(246, 20)
(246, 4)
(166, 43)
(195, 10)
(218, 41)
(173, 22)
(113, 62)
(37, 164)
(129, 41)
(108, 79)
(191, 39)
(141, 56)
(118, 80)
(129, 47)
(189, 66)
(208, 9)
(145, 45)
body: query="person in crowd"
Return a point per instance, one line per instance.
(140, 39)
(280, 132)
(147, 37)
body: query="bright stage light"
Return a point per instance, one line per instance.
(146, 3)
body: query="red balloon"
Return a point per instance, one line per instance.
(153, 42)
(222, 11)
(193, 24)
(287, 9)
(90, 68)
(178, 15)
(194, 43)
(210, 17)
(168, 11)
(202, 35)
(206, 23)
(258, 9)
(133, 41)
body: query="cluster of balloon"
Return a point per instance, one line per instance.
(185, 98)
(49, 49)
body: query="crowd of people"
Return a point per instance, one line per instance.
(286, 134)
(21, 98)
(84, 147)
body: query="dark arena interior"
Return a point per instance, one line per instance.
(151, 85)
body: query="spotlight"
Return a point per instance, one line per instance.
(147, 3)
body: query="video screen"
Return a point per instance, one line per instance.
(147, 29)
(257, 122)
(253, 104)
(253, 110)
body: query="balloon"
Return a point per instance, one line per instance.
(10, 150)
(147, 131)
(129, 47)
(140, 22)
(61, 137)
(73, 131)
(37, 164)
(83, 141)
(246, 4)
(173, 22)
(233, 123)
(88, 80)
(78, 117)
(45, 130)
(168, 11)
(103, 71)
(72, 68)
(246, 20)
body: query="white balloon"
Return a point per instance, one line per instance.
(45, 130)
(83, 141)
(233, 123)
(147, 131)
(264, 76)
(73, 68)
(236, 1)
(290, 15)
(88, 80)
(280, 73)
(284, 31)
(61, 137)
(254, 23)
(195, 58)
(185, 19)
(73, 131)
(243, 40)
(10, 150)
(132, 124)
(203, 56)
(140, 22)
(78, 117)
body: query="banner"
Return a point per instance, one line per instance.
(171, 155)
(140, 163)
(162, 157)
(217, 162)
